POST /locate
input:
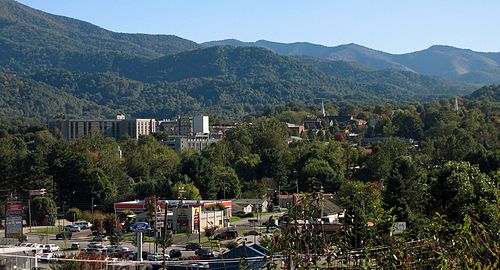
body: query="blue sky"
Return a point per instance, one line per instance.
(395, 26)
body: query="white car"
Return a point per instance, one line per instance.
(158, 257)
(50, 248)
(45, 257)
(83, 224)
(71, 228)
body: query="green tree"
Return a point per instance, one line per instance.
(380, 161)
(408, 125)
(189, 191)
(73, 214)
(459, 189)
(406, 192)
(43, 211)
(228, 183)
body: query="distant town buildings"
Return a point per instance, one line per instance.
(183, 132)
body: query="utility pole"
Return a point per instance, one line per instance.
(92, 207)
(199, 226)
(29, 210)
(156, 225)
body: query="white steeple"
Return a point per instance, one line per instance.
(323, 111)
(455, 105)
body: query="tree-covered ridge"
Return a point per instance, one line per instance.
(447, 62)
(231, 82)
(131, 74)
(402, 82)
(22, 25)
(33, 99)
(491, 92)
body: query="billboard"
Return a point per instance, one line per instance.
(13, 219)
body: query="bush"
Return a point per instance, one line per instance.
(231, 244)
(73, 214)
(251, 214)
(86, 215)
(210, 231)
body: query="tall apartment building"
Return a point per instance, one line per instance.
(201, 125)
(185, 126)
(117, 128)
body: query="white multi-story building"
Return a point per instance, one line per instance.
(201, 125)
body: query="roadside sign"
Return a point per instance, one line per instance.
(37, 192)
(13, 219)
(398, 228)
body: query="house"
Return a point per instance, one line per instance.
(295, 129)
(246, 206)
(312, 123)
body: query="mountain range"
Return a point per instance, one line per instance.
(52, 65)
(448, 62)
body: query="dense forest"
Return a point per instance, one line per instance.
(453, 167)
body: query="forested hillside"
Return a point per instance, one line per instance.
(77, 63)
(448, 62)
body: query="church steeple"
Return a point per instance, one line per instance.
(322, 112)
(455, 105)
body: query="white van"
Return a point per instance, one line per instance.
(83, 224)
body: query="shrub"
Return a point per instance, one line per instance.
(231, 244)
(251, 214)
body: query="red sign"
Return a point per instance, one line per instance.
(14, 209)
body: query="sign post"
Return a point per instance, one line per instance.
(33, 192)
(14, 219)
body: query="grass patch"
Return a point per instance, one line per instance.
(131, 238)
(47, 230)
(204, 240)
(235, 218)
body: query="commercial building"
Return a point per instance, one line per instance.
(187, 215)
(180, 144)
(117, 128)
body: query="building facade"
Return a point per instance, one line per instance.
(187, 216)
(201, 125)
(72, 129)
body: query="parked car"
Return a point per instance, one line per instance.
(252, 233)
(75, 245)
(64, 235)
(175, 253)
(205, 253)
(71, 228)
(132, 255)
(45, 257)
(158, 257)
(83, 224)
(95, 245)
(193, 246)
(99, 238)
(272, 229)
(226, 235)
(149, 232)
(49, 248)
